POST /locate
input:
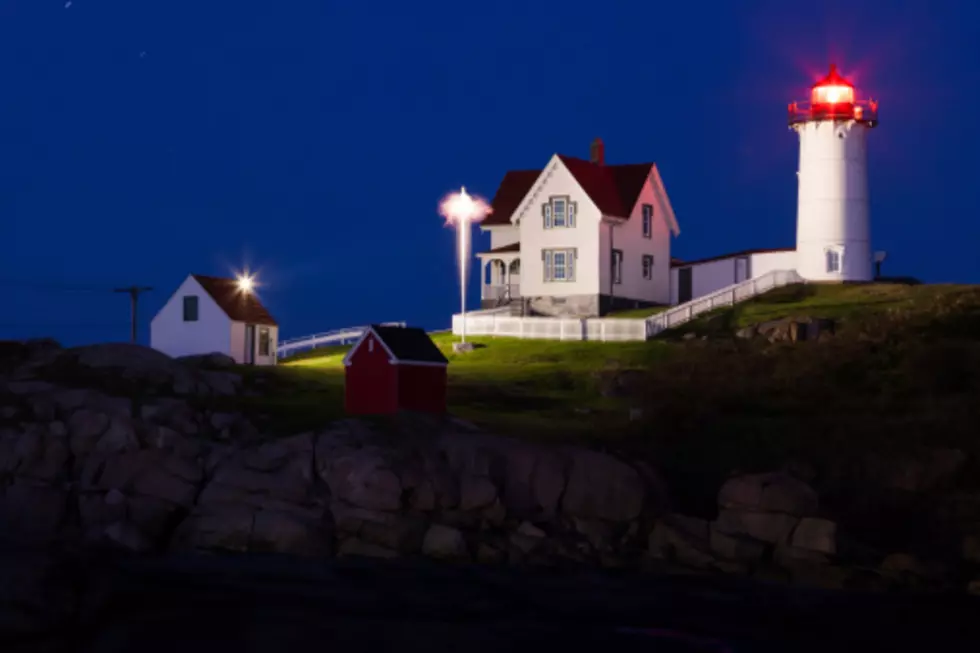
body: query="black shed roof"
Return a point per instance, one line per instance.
(409, 344)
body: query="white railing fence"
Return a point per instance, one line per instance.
(335, 337)
(728, 296)
(497, 322)
(501, 291)
(551, 328)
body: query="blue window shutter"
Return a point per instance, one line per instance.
(546, 212)
(570, 258)
(572, 210)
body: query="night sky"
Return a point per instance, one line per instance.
(312, 139)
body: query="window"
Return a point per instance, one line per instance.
(559, 212)
(265, 339)
(370, 345)
(833, 260)
(617, 265)
(559, 264)
(190, 308)
(647, 266)
(648, 220)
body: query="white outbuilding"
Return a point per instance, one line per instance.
(216, 315)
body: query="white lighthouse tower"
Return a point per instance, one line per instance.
(832, 227)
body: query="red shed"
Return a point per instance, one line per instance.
(393, 368)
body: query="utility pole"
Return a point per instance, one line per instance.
(134, 295)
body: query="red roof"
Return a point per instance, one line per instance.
(237, 305)
(613, 188)
(833, 78)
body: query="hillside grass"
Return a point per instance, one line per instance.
(902, 371)
(542, 387)
(638, 313)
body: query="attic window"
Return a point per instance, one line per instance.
(559, 212)
(190, 308)
(648, 220)
(370, 345)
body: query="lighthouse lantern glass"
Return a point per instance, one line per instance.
(834, 94)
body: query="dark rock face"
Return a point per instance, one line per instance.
(85, 468)
(790, 330)
(164, 474)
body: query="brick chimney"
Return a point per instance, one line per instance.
(597, 152)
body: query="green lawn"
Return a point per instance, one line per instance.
(551, 389)
(902, 371)
(540, 386)
(848, 304)
(640, 313)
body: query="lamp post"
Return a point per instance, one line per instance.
(462, 244)
(462, 210)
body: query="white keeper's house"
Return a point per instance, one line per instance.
(582, 238)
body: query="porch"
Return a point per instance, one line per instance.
(500, 276)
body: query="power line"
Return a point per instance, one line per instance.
(55, 286)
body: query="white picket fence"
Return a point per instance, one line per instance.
(550, 328)
(616, 329)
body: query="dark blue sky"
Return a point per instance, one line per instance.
(142, 140)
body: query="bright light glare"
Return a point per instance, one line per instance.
(246, 283)
(463, 207)
(834, 94)
(462, 210)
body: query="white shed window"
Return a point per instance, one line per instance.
(370, 345)
(833, 261)
(559, 264)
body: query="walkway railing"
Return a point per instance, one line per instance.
(550, 328)
(335, 337)
(728, 296)
(492, 323)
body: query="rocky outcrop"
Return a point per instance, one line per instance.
(772, 526)
(163, 470)
(790, 329)
(115, 447)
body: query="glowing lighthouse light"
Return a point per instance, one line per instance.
(462, 210)
(833, 234)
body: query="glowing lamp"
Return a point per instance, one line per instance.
(834, 98)
(463, 210)
(246, 283)
(832, 90)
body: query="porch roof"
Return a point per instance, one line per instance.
(512, 250)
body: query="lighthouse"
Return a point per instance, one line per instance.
(833, 230)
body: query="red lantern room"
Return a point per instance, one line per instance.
(833, 98)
